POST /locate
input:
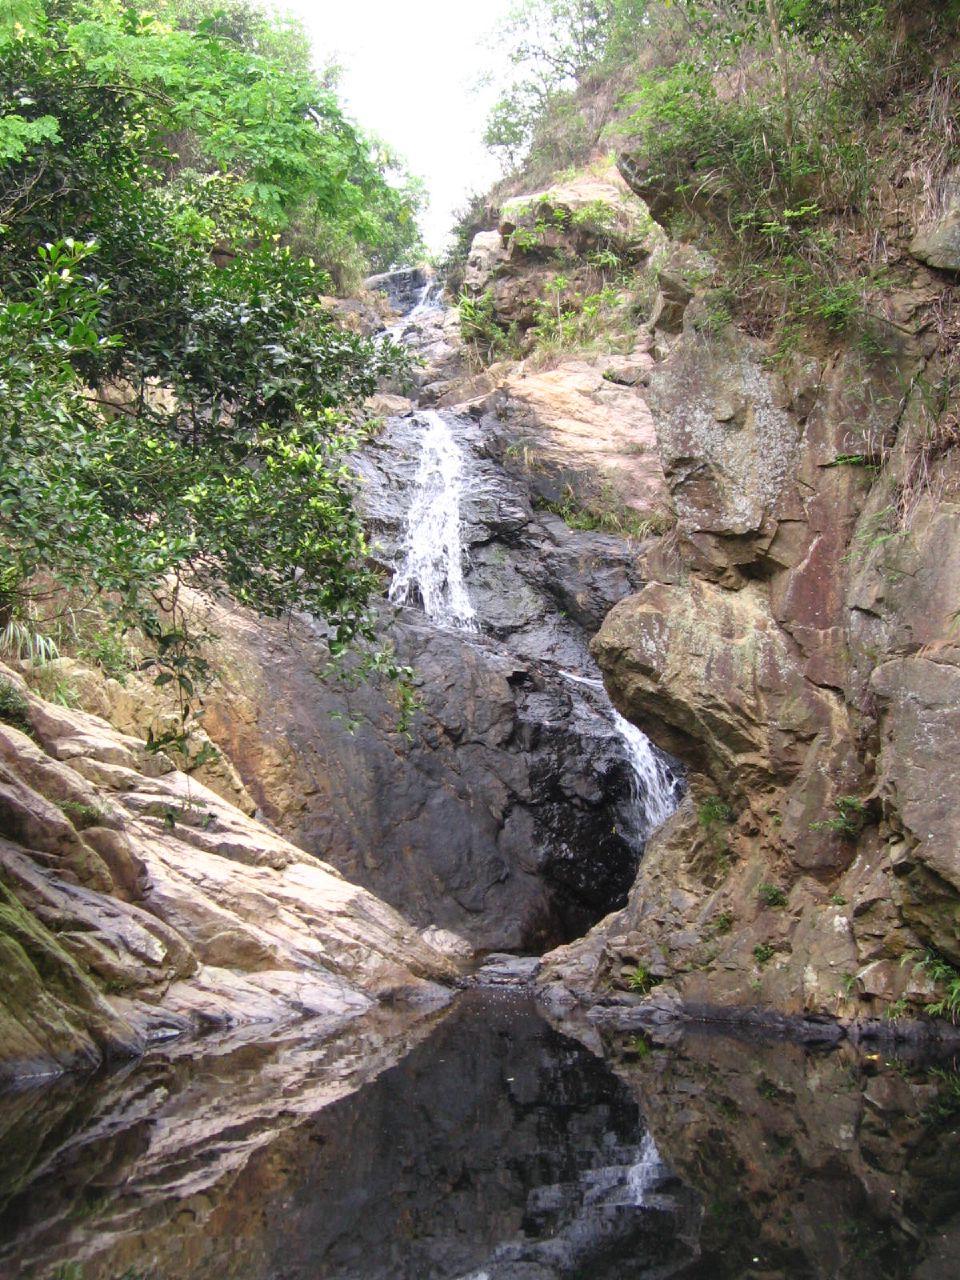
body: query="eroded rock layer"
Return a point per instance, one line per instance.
(795, 643)
(137, 905)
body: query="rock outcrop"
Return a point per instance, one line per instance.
(137, 905)
(549, 247)
(502, 817)
(937, 242)
(794, 643)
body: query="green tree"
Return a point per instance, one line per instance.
(175, 403)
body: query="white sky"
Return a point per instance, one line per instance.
(409, 71)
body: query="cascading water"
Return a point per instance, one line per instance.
(432, 556)
(653, 786)
(429, 299)
(429, 571)
(653, 791)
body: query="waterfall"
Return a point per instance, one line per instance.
(429, 571)
(429, 300)
(432, 553)
(653, 787)
(652, 793)
(646, 1173)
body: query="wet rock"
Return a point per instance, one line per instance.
(506, 971)
(402, 288)
(503, 817)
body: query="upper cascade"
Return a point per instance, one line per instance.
(432, 560)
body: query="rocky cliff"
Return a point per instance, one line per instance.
(794, 640)
(767, 548)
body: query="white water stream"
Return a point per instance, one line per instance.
(430, 568)
(653, 794)
(429, 299)
(432, 555)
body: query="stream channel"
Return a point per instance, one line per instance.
(478, 1141)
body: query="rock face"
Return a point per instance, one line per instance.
(403, 289)
(937, 242)
(794, 643)
(582, 432)
(504, 816)
(547, 242)
(137, 905)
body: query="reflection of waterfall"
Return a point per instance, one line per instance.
(649, 1169)
(432, 555)
(572, 1218)
(653, 785)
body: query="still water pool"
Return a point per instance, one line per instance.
(481, 1144)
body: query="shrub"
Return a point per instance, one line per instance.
(850, 820)
(483, 334)
(772, 895)
(642, 980)
(82, 815)
(14, 707)
(947, 977)
(723, 922)
(712, 811)
(236, 477)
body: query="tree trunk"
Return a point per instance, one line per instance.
(781, 59)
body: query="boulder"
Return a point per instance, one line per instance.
(937, 242)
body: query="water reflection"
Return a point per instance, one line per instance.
(811, 1164)
(495, 1148)
(480, 1144)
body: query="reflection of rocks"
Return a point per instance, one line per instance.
(811, 1166)
(99, 1175)
(495, 1147)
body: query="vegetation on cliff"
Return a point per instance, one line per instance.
(778, 133)
(794, 323)
(178, 190)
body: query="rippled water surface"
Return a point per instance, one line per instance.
(480, 1144)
